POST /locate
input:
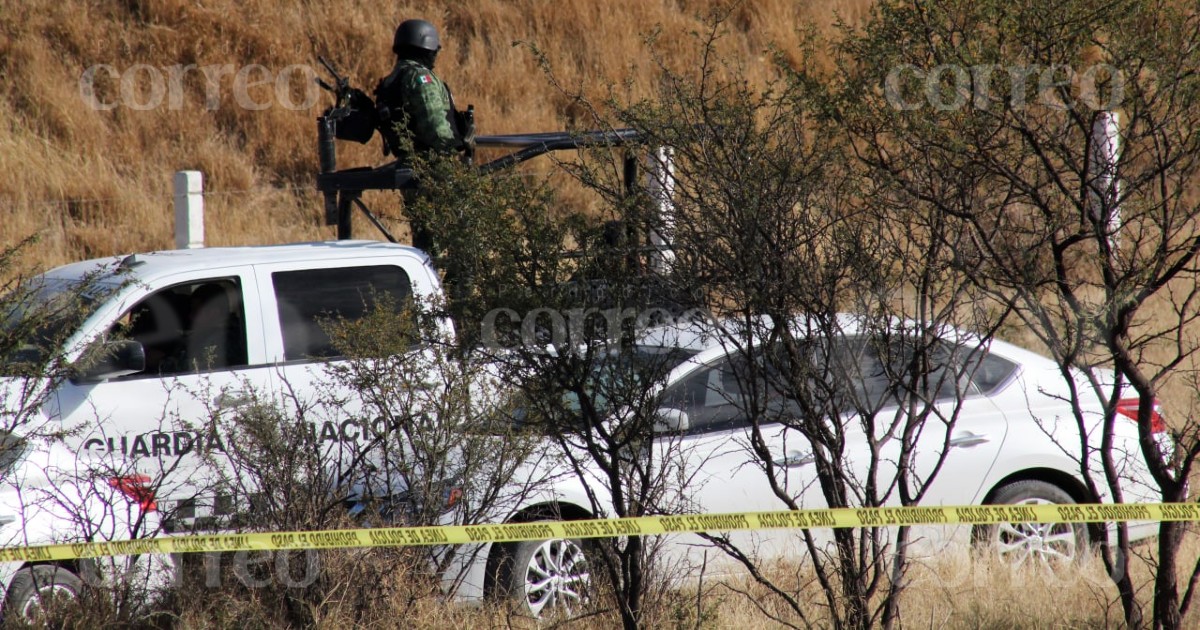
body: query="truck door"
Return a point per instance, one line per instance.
(301, 303)
(202, 336)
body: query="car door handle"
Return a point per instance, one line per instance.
(966, 439)
(795, 459)
(231, 399)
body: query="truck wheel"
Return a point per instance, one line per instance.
(38, 589)
(546, 577)
(1021, 544)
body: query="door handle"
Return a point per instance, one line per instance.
(231, 399)
(795, 459)
(966, 439)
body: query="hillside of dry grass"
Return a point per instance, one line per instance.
(96, 183)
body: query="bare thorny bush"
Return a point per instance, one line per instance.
(38, 321)
(775, 227)
(516, 270)
(404, 432)
(1097, 260)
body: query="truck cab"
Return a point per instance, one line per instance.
(186, 337)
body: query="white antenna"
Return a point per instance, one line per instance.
(662, 188)
(1104, 189)
(189, 210)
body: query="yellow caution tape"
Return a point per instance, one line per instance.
(604, 528)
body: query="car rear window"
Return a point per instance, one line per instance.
(991, 373)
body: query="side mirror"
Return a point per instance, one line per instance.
(112, 359)
(669, 420)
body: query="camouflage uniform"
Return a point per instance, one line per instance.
(420, 108)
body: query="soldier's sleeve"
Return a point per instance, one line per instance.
(393, 129)
(429, 112)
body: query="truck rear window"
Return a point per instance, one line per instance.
(309, 297)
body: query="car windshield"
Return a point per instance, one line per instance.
(37, 318)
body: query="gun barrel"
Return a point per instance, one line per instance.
(329, 67)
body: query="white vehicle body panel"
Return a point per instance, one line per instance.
(1023, 428)
(159, 425)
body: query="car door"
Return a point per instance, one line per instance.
(720, 471)
(972, 442)
(956, 430)
(201, 333)
(727, 476)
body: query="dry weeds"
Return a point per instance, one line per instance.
(97, 183)
(952, 590)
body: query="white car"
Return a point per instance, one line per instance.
(1014, 440)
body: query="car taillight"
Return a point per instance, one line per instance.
(136, 487)
(1128, 407)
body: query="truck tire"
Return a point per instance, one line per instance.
(546, 577)
(35, 589)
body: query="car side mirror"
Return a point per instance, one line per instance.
(668, 420)
(113, 359)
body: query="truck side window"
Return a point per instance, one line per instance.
(190, 327)
(308, 298)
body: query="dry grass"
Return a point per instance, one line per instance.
(954, 590)
(97, 183)
(959, 590)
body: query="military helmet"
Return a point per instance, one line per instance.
(416, 34)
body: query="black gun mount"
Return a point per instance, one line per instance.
(343, 189)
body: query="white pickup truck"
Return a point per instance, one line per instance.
(189, 333)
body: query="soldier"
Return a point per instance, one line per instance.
(416, 110)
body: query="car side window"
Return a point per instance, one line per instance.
(306, 299)
(711, 396)
(989, 371)
(190, 327)
(880, 380)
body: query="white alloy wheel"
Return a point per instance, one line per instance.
(37, 589)
(1048, 545)
(550, 577)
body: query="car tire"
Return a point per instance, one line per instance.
(1020, 544)
(546, 577)
(31, 585)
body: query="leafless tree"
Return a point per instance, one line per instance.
(998, 118)
(777, 228)
(555, 300)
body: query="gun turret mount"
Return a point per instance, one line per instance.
(343, 188)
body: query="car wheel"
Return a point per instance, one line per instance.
(1040, 544)
(37, 589)
(547, 577)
